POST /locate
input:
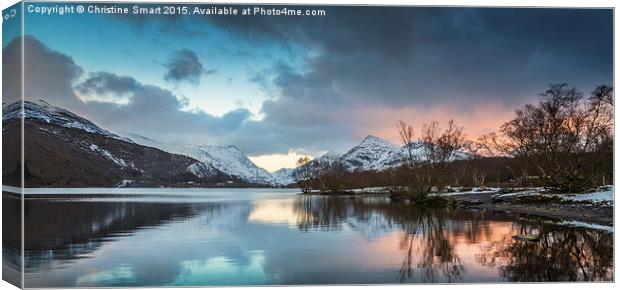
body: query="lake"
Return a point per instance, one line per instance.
(198, 237)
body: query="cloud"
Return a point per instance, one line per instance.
(105, 83)
(362, 69)
(184, 65)
(157, 112)
(399, 56)
(148, 109)
(395, 56)
(108, 86)
(47, 73)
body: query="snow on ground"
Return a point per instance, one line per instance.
(605, 196)
(378, 189)
(475, 190)
(525, 192)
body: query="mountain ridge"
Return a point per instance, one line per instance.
(63, 149)
(371, 154)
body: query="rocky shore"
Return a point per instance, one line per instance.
(595, 213)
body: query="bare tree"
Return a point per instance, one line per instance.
(434, 150)
(407, 137)
(303, 174)
(564, 136)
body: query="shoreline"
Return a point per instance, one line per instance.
(581, 214)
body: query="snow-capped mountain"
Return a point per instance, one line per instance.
(228, 159)
(231, 160)
(155, 162)
(64, 149)
(43, 111)
(283, 176)
(329, 156)
(375, 154)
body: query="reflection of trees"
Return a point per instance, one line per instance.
(320, 212)
(430, 236)
(566, 254)
(428, 239)
(428, 230)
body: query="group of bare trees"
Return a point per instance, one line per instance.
(566, 139)
(428, 157)
(327, 176)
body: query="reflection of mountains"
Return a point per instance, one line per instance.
(430, 237)
(69, 230)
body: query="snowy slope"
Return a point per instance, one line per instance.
(373, 153)
(93, 156)
(329, 156)
(283, 176)
(228, 159)
(50, 114)
(43, 111)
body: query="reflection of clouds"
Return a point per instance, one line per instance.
(274, 211)
(117, 276)
(221, 271)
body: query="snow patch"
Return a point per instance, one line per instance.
(605, 196)
(120, 162)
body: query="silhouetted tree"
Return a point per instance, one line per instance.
(563, 137)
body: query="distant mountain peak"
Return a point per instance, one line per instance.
(330, 155)
(373, 153)
(374, 140)
(371, 138)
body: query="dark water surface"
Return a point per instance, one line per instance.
(253, 237)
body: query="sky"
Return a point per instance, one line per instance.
(279, 87)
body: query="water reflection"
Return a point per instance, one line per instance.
(560, 255)
(430, 236)
(291, 239)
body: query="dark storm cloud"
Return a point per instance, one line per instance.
(413, 55)
(398, 57)
(184, 65)
(426, 56)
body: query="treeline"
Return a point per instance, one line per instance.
(564, 142)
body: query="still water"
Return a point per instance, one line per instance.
(254, 237)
